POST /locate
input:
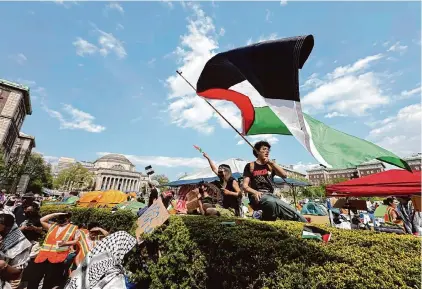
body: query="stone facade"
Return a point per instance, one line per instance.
(116, 172)
(322, 175)
(15, 104)
(414, 162)
(23, 148)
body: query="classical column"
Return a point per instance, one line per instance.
(107, 184)
(131, 185)
(113, 182)
(126, 184)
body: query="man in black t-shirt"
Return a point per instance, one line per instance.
(258, 183)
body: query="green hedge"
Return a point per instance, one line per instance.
(200, 252)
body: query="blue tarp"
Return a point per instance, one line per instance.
(277, 180)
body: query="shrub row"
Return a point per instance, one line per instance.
(201, 252)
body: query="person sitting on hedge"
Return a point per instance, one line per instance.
(232, 195)
(258, 183)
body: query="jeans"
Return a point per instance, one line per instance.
(273, 208)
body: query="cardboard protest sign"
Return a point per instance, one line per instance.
(154, 217)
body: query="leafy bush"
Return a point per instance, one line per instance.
(120, 220)
(201, 252)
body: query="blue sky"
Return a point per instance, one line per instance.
(102, 75)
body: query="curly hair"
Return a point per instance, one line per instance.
(259, 145)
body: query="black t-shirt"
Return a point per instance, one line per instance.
(231, 201)
(32, 221)
(261, 179)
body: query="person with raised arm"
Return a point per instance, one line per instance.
(229, 186)
(50, 261)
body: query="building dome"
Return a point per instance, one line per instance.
(115, 159)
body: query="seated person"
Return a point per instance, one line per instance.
(258, 183)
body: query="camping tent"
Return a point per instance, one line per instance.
(388, 183)
(237, 166)
(102, 199)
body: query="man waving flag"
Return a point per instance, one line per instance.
(262, 80)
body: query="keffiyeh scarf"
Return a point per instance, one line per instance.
(102, 267)
(14, 243)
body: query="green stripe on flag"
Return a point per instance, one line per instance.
(341, 150)
(267, 122)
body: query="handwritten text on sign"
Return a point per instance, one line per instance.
(154, 217)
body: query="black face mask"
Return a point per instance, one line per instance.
(10, 203)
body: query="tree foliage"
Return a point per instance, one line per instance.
(39, 172)
(75, 177)
(162, 180)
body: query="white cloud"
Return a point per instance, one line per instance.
(359, 65)
(20, 58)
(119, 26)
(312, 82)
(272, 36)
(302, 168)
(351, 94)
(115, 6)
(65, 4)
(283, 3)
(196, 48)
(222, 31)
(78, 119)
(161, 161)
(272, 139)
(334, 114)
(407, 94)
(106, 43)
(400, 133)
(84, 47)
(347, 90)
(268, 15)
(396, 47)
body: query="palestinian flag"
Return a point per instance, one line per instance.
(262, 80)
(311, 232)
(198, 148)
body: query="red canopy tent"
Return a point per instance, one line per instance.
(388, 183)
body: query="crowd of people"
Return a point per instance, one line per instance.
(69, 249)
(224, 195)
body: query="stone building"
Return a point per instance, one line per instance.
(23, 148)
(64, 163)
(15, 104)
(414, 161)
(291, 173)
(116, 172)
(322, 175)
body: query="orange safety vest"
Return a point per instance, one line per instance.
(83, 247)
(50, 251)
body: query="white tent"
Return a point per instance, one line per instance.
(236, 165)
